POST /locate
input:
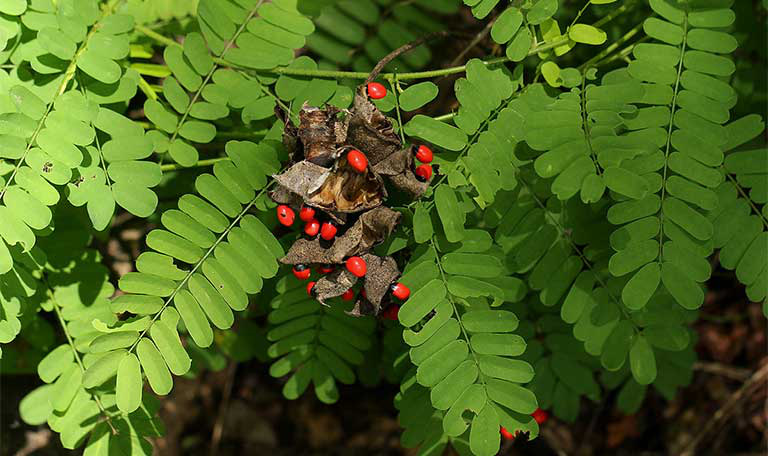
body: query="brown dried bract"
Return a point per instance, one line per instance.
(382, 272)
(399, 168)
(370, 130)
(333, 190)
(320, 132)
(334, 284)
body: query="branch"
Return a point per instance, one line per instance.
(402, 50)
(729, 408)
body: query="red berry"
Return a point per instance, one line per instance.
(400, 291)
(508, 435)
(540, 416)
(301, 272)
(306, 214)
(376, 91)
(328, 231)
(357, 160)
(391, 312)
(348, 295)
(311, 288)
(312, 228)
(423, 172)
(285, 215)
(357, 266)
(424, 154)
(325, 269)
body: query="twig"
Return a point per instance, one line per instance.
(477, 39)
(218, 427)
(402, 50)
(724, 370)
(728, 409)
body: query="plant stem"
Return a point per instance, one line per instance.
(155, 36)
(594, 61)
(201, 163)
(79, 361)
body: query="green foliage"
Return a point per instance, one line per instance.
(314, 344)
(561, 251)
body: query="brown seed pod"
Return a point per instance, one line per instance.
(352, 197)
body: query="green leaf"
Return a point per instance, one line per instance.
(541, 11)
(194, 318)
(55, 362)
(138, 201)
(129, 384)
(506, 25)
(451, 216)
(513, 370)
(489, 321)
(520, 45)
(484, 433)
(436, 132)
(512, 396)
(99, 67)
(685, 290)
(587, 34)
(421, 302)
(641, 287)
(642, 361)
(417, 95)
(13, 7)
(154, 366)
(498, 344)
(617, 346)
(625, 182)
(422, 224)
(103, 369)
(168, 343)
(472, 265)
(35, 407)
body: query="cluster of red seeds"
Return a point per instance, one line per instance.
(327, 229)
(541, 416)
(356, 265)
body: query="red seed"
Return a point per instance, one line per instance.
(325, 269)
(376, 91)
(357, 266)
(508, 435)
(540, 416)
(328, 231)
(285, 215)
(424, 154)
(301, 272)
(400, 291)
(312, 228)
(357, 160)
(311, 288)
(423, 172)
(348, 295)
(306, 214)
(391, 312)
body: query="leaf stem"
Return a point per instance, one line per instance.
(65, 330)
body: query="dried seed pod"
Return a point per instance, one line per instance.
(371, 131)
(334, 284)
(371, 228)
(320, 131)
(337, 190)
